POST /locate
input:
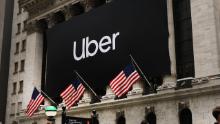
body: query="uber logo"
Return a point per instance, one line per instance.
(105, 44)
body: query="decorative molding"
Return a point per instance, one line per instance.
(182, 105)
(169, 82)
(86, 99)
(33, 26)
(110, 96)
(170, 94)
(38, 9)
(137, 90)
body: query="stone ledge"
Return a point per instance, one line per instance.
(207, 88)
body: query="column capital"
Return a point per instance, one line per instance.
(50, 20)
(34, 26)
(67, 12)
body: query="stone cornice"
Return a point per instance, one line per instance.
(38, 9)
(203, 88)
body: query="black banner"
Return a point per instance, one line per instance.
(98, 43)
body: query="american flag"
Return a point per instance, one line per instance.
(34, 103)
(72, 93)
(121, 84)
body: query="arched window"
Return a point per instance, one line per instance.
(121, 120)
(185, 116)
(151, 118)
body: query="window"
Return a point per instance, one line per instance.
(21, 85)
(120, 118)
(19, 108)
(22, 65)
(14, 88)
(23, 45)
(183, 38)
(19, 10)
(18, 28)
(185, 116)
(151, 118)
(12, 109)
(16, 68)
(24, 25)
(17, 48)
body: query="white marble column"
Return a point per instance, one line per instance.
(206, 36)
(169, 81)
(33, 62)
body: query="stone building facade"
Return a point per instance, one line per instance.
(187, 95)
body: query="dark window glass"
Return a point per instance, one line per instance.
(21, 85)
(151, 118)
(18, 28)
(25, 25)
(14, 88)
(183, 38)
(121, 120)
(185, 116)
(23, 45)
(17, 48)
(22, 65)
(16, 68)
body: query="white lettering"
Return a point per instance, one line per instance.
(88, 44)
(114, 36)
(83, 51)
(102, 44)
(90, 48)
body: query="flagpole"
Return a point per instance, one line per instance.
(48, 97)
(86, 84)
(132, 59)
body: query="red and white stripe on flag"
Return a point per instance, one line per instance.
(34, 103)
(71, 94)
(121, 84)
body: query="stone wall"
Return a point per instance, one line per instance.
(201, 99)
(205, 37)
(21, 55)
